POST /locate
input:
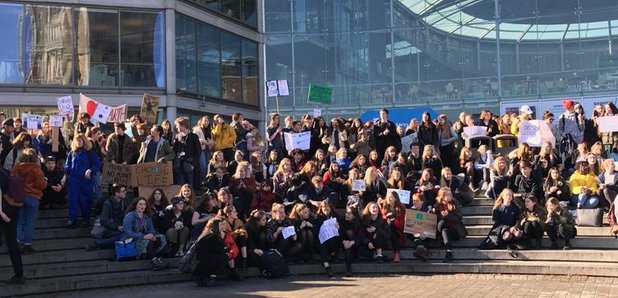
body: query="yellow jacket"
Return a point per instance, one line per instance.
(578, 180)
(224, 137)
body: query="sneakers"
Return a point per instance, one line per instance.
(159, 264)
(329, 272)
(28, 250)
(567, 246)
(16, 280)
(379, 259)
(448, 257)
(397, 257)
(421, 253)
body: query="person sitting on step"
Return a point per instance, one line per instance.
(112, 215)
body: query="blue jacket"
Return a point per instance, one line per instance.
(132, 227)
(78, 163)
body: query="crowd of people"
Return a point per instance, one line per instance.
(242, 194)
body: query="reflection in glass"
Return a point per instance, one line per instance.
(186, 66)
(97, 47)
(142, 50)
(250, 72)
(209, 61)
(231, 67)
(11, 65)
(231, 8)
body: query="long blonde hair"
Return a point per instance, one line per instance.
(500, 199)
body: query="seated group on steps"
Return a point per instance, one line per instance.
(245, 197)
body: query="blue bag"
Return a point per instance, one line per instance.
(126, 249)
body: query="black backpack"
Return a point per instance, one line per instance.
(274, 265)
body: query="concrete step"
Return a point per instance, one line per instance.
(57, 213)
(61, 256)
(575, 255)
(54, 244)
(483, 230)
(51, 223)
(61, 233)
(472, 220)
(578, 242)
(477, 210)
(481, 202)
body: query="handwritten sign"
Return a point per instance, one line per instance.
(150, 107)
(317, 113)
(404, 195)
(328, 230)
(297, 140)
(608, 124)
(407, 141)
(283, 87)
(55, 121)
(65, 106)
(535, 133)
(271, 86)
(359, 185)
(422, 223)
(118, 114)
(31, 121)
(118, 173)
(288, 232)
(154, 174)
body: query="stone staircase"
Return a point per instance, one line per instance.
(61, 263)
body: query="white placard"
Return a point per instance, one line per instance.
(30, 121)
(55, 121)
(283, 88)
(317, 113)
(101, 113)
(474, 131)
(328, 230)
(65, 106)
(300, 140)
(271, 86)
(288, 232)
(407, 141)
(608, 124)
(535, 132)
(404, 195)
(359, 185)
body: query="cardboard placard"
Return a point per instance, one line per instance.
(118, 114)
(407, 141)
(150, 107)
(169, 190)
(55, 121)
(65, 106)
(404, 195)
(423, 223)
(55, 138)
(608, 124)
(474, 131)
(359, 185)
(154, 174)
(317, 113)
(535, 132)
(118, 173)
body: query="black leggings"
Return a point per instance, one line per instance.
(307, 239)
(533, 230)
(288, 247)
(395, 235)
(558, 231)
(9, 230)
(448, 234)
(329, 247)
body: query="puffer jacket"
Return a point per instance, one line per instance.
(33, 177)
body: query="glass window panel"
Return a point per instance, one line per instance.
(97, 47)
(231, 85)
(250, 72)
(48, 34)
(209, 61)
(434, 17)
(279, 57)
(231, 8)
(11, 66)
(419, 6)
(142, 49)
(186, 65)
(312, 68)
(278, 15)
(249, 12)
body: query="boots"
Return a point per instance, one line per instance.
(449, 256)
(234, 275)
(348, 270)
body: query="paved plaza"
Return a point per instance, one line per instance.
(458, 285)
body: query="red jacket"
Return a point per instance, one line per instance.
(33, 177)
(398, 223)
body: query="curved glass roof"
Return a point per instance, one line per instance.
(449, 16)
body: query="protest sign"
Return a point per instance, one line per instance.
(118, 114)
(300, 140)
(55, 121)
(608, 124)
(65, 106)
(168, 190)
(30, 121)
(271, 87)
(407, 141)
(535, 132)
(320, 94)
(283, 87)
(474, 131)
(404, 195)
(118, 173)
(154, 174)
(150, 107)
(328, 230)
(56, 137)
(358, 185)
(288, 232)
(423, 223)
(317, 113)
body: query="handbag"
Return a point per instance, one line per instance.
(590, 217)
(189, 261)
(126, 249)
(98, 231)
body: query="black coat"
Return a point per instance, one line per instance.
(191, 147)
(384, 141)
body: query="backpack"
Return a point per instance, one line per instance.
(189, 261)
(274, 265)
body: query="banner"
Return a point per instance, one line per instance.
(328, 230)
(101, 113)
(118, 173)
(154, 174)
(150, 107)
(169, 190)
(535, 132)
(423, 223)
(404, 195)
(65, 106)
(407, 141)
(118, 114)
(608, 124)
(297, 140)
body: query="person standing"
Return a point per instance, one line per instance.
(570, 124)
(5, 138)
(155, 148)
(275, 136)
(225, 137)
(8, 226)
(384, 132)
(203, 130)
(30, 171)
(119, 146)
(187, 148)
(81, 165)
(239, 124)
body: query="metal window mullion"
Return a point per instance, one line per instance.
(120, 74)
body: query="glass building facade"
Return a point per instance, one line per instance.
(457, 54)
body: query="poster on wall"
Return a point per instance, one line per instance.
(513, 107)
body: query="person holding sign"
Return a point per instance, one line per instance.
(375, 231)
(327, 229)
(450, 224)
(288, 246)
(394, 213)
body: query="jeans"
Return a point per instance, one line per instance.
(183, 177)
(109, 241)
(204, 158)
(27, 217)
(586, 201)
